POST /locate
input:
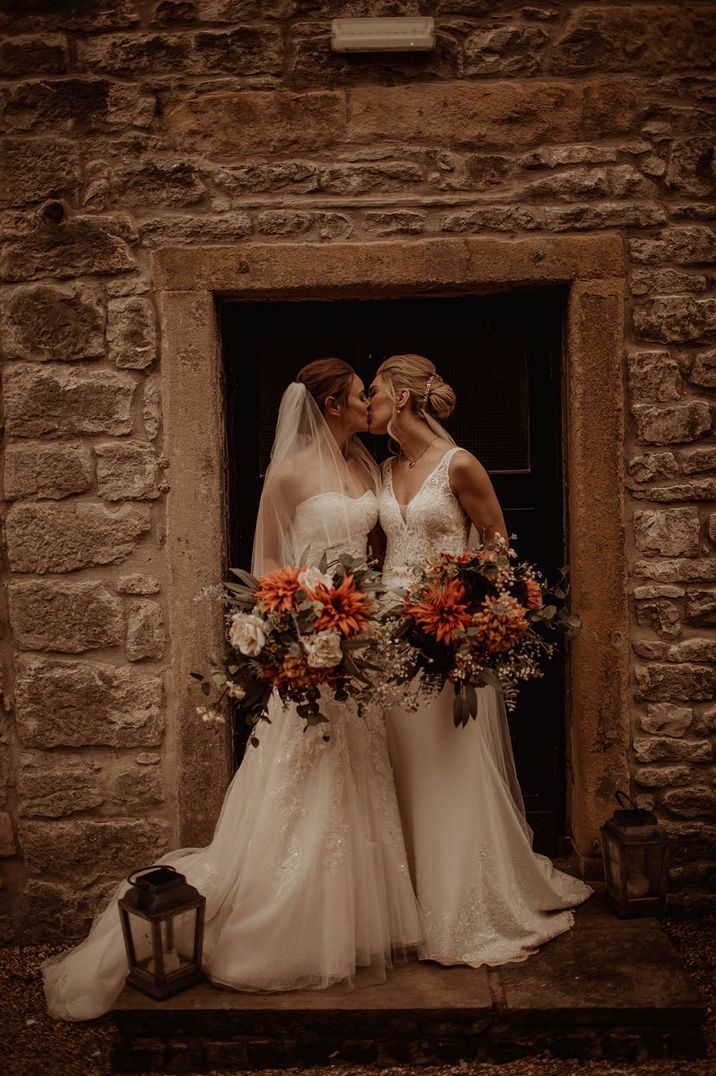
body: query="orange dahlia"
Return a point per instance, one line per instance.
(534, 594)
(441, 611)
(345, 608)
(502, 624)
(276, 590)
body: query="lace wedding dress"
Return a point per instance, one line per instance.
(485, 896)
(306, 878)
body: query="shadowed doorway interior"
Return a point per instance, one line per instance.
(502, 355)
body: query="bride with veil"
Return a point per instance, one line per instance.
(306, 878)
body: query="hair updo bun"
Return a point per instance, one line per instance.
(429, 394)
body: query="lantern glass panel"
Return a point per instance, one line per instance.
(141, 931)
(613, 861)
(178, 940)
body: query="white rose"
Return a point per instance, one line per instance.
(247, 634)
(309, 579)
(323, 650)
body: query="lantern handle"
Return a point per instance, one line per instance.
(621, 796)
(154, 867)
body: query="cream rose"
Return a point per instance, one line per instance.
(309, 579)
(323, 650)
(235, 691)
(247, 634)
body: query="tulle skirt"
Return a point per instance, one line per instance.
(484, 895)
(306, 878)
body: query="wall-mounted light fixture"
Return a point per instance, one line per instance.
(383, 35)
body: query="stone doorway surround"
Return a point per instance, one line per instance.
(189, 285)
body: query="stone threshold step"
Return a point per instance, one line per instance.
(607, 989)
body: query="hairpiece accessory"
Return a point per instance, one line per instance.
(428, 386)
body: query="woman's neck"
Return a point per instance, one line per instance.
(415, 435)
(338, 432)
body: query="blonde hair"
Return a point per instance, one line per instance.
(430, 396)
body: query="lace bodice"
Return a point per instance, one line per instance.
(334, 523)
(434, 523)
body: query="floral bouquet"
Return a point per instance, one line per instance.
(477, 618)
(296, 630)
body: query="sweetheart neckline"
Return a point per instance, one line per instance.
(334, 493)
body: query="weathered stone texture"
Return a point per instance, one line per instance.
(48, 471)
(61, 324)
(8, 846)
(30, 55)
(136, 789)
(690, 802)
(703, 372)
(127, 470)
(252, 50)
(661, 616)
(649, 465)
(688, 245)
(51, 786)
(661, 776)
(70, 617)
(73, 106)
(665, 719)
(152, 408)
(654, 375)
(85, 849)
(55, 400)
(701, 607)
(676, 319)
(90, 15)
(33, 171)
(666, 749)
(698, 460)
(685, 683)
(69, 249)
(131, 332)
(145, 630)
(673, 424)
(49, 538)
(676, 571)
(505, 51)
(137, 583)
(78, 703)
(671, 533)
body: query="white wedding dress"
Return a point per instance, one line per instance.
(484, 895)
(306, 878)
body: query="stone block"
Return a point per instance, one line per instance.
(677, 571)
(62, 324)
(693, 244)
(661, 616)
(666, 719)
(135, 789)
(670, 533)
(300, 177)
(191, 228)
(56, 400)
(701, 607)
(47, 54)
(480, 114)
(681, 683)
(379, 222)
(701, 489)
(90, 15)
(146, 182)
(49, 471)
(152, 408)
(145, 630)
(137, 583)
(50, 786)
(692, 168)
(617, 181)
(661, 776)
(506, 50)
(711, 528)
(131, 332)
(73, 107)
(672, 424)
(692, 650)
(705, 722)
(71, 248)
(127, 470)
(8, 847)
(591, 217)
(87, 849)
(51, 538)
(645, 282)
(654, 375)
(256, 121)
(78, 703)
(666, 749)
(59, 615)
(690, 802)
(649, 465)
(658, 590)
(698, 460)
(56, 911)
(250, 50)
(642, 37)
(31, 171)
(703, 372)
(676, 318)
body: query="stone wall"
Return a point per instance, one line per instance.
(133, 125)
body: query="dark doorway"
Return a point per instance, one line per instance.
(502, 355)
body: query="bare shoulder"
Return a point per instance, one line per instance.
(465, 468)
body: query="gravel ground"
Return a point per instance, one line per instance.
(32, 1043)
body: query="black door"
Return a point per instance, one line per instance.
(501, 353)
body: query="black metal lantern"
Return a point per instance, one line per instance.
(635, 854)
(163, 926)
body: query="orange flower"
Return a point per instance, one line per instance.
(345, 608)
(534, 594)
(277, 589)
(442, 610)
(296, 671)
(502, 624)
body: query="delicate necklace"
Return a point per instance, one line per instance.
(411, 463)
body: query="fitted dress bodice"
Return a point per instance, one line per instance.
(334, 523)
(433, 522)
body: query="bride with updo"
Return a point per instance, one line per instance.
(484, 895)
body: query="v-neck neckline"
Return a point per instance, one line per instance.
(403, 509)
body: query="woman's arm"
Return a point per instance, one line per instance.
(471, 485)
